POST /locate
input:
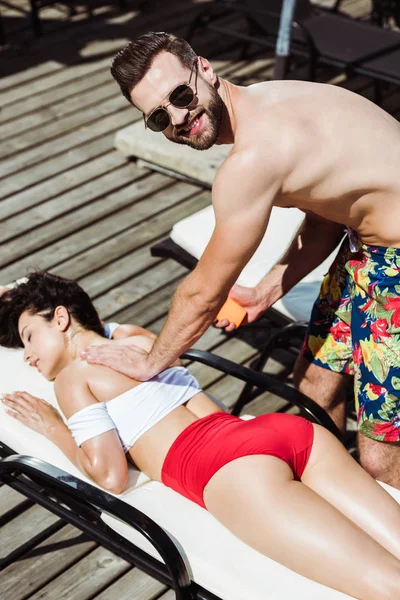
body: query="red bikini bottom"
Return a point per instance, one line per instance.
(213, 441)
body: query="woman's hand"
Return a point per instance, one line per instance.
(35, 413)
(129, 360)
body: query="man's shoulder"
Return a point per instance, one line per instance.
(249, 160)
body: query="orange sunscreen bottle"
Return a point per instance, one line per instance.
(232, 311)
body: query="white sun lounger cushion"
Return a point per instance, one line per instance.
(193, 233)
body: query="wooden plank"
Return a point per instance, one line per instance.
(57, 186)
(137, 288)
(46, 117)
(80, 241)
(47, 560)
(170, 595)
(84, 579)
(133, 585)
(31, 523)
(51, 97)
(115, 272)
(149, 312)
(58, 77)
(9, 499)
(28, 75)
(60, 164)
(57, 137)
(39, 223)
(126, 242)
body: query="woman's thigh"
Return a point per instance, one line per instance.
(257, 499)
(333, 474)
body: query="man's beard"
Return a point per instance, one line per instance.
(205, 139)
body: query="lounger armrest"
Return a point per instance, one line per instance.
(64, 485)
(266, 383)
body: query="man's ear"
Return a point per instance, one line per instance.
(207, 71)
(62, 318)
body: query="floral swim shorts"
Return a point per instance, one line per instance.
(355, 329)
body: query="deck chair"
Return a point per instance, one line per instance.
(153, 527)
(322, 37)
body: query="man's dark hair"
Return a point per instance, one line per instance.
(131, 64)
(41, 294)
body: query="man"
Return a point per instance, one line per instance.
(328, 152)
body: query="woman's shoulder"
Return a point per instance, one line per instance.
(72, 388)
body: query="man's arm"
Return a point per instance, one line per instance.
(242, 197)
(314, 241)
(241, 221)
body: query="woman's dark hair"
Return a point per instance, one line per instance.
(131, 64)
(41, 294)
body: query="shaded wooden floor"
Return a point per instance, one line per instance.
(70, 203)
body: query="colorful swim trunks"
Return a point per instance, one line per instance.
(355, 328)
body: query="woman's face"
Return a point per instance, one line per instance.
(45, 342)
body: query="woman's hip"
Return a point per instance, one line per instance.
(213, 441)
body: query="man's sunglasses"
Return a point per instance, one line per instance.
(181, 97)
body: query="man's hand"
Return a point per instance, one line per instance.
(128, 360)
(35, 413)
(254, 303)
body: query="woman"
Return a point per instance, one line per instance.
(284, 486)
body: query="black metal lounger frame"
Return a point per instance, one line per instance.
(81, 504)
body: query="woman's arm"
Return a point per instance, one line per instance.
(101, 458)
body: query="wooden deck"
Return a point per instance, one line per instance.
(70, 203)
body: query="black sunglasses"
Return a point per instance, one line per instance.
(181, 97)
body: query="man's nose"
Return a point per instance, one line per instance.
(178, 115)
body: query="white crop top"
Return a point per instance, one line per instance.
(137, 410)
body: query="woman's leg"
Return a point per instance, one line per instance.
(335, 475)
(258, 500)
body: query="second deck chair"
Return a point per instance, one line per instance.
(321, 36)
(153, 527)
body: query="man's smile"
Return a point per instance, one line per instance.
(193, 126)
